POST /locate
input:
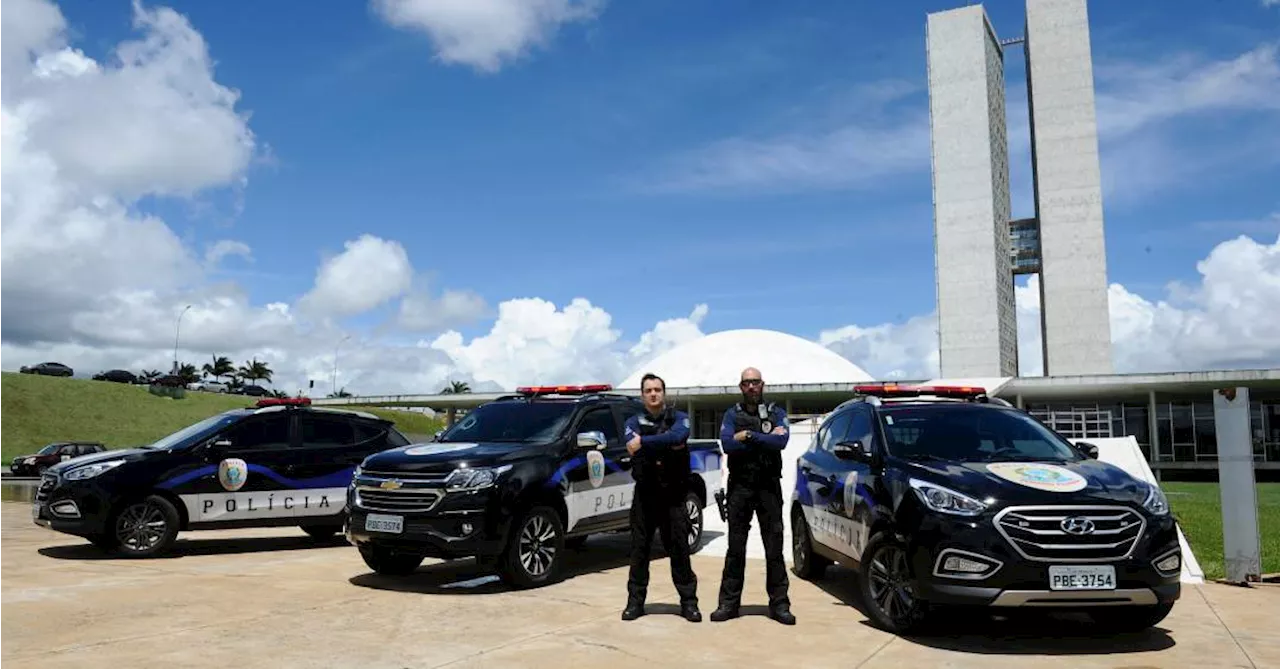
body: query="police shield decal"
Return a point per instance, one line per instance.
(232, 474)
(595, 468)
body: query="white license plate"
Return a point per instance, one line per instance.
(1091, 577)
(376, 522)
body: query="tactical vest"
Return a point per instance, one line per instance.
(664, 466)
(757, 463)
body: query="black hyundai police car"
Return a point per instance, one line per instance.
(512, 483)
(281, 462)
(943, 496)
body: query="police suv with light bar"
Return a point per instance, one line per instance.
(281, 462)
(944, 496)
(513, 483)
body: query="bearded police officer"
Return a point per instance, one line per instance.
(753, 435)
(656, 440)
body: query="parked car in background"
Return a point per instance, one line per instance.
(117, 376)
(59, 451)
(47, 369)
(208, 386)
(252, 391)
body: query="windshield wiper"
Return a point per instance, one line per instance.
(928, 456)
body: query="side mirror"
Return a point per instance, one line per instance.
(436, 436)
(593, 439)
(213, 450)
(849, 450)
(1089, 450)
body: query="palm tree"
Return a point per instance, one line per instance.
(187, 372)
(222, 366)
(254, 370)
(454, 388)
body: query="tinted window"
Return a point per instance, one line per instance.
(969, 433)
(859, 428)
(325, 431)
(259, 433)
(515, 422)
(602, 420)
(394, 438)
(836, 429)
(197, 432)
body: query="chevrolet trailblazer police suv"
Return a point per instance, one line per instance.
(943, 496)
(278, 463)
(513, 483)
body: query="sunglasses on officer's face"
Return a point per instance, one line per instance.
(751, 382)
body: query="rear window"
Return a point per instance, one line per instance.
(516, 422)
(970, 433)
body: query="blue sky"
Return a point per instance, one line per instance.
(769, 160)
(551, 155)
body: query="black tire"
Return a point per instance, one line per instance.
(145, 528)
(1122, 619)
(321, 532)
(693, 512)
(804, 562)
(389, 563)
(535, 550)
(888, 587)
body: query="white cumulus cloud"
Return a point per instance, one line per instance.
(486, 34)
(368, 273)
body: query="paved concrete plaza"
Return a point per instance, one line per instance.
(275, 598)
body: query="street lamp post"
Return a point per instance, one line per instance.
(177, 329)
(335, 364)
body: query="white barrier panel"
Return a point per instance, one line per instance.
(1124, 452)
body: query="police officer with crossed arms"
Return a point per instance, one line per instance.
(753, 436)
(656, 440)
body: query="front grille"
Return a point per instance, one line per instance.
(47, 483)
(417, 477)
(400, 501)
(1104, 533)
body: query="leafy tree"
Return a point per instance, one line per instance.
(454, 388)
(188, 373)
(254, 371)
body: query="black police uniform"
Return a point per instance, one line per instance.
(755, 488)
(661, 470)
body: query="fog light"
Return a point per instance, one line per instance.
(955, 563)
(466, 528)
(1169, 563)
(966, 565)
(66, 508)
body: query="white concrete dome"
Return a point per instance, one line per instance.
(719, 358)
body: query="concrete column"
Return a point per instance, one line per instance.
(1017, 400)
(788, 407)
(1153, 426)
(1241, 550)
(693, 420)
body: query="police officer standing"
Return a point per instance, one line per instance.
(753, 436)
(656, 440)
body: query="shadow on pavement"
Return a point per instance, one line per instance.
(1017, 632)
(194, 547)
(465, 577)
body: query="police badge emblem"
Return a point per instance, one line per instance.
(595, 468)
(232, 474)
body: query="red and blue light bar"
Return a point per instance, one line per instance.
(564, 390)
(895, 390)
(283, 401)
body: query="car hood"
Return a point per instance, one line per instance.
(1084, 481)
(447, 456)
(126, 453)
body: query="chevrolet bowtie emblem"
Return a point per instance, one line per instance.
(390, 485)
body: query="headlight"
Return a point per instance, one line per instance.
(90, 471)
(1156, 502)
(946, 500)
(469, 478)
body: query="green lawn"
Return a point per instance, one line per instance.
(1198, 508)
(37, 410)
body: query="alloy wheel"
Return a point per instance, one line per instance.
(141, 526)
(890, 584)
(695, 516)
(537, 547)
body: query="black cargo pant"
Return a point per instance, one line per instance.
(661, 508)
(762, 499)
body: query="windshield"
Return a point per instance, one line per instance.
(968, 433)
(517, 422)
(48, 450)
(197, 431)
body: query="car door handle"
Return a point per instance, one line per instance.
(626, 459)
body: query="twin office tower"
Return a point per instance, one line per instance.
(978, 248)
